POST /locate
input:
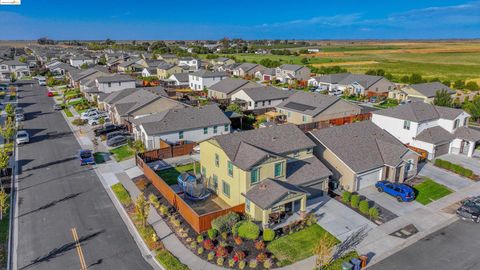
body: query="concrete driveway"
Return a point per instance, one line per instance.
(444, 177)
(336, 218)
(472, 163)
(389, 202)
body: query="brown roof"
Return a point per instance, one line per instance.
(268, 192)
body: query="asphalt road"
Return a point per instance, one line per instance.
(454, 247)
(56, 195)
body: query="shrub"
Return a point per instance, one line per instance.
(212, 233)
(239, 255)
(363, 207)
(236, 226)
(373, 213)
(241, 265)
(231, 263)
(226, 222)
(354, 201)
(346, 196)
(200, 238)
(224, 235)
(259, 245)
(78, 122)
(220, 261)
(211, 255)
(238, 240)
(208, 244)
(249, 230)
(163, 210)
(310, 220)
(193, 245)
(221, 251)
(261, 257)
(253, 263)
(200, 251)
(268, 264)
(223, 244)
(268, 235)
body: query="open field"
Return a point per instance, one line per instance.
(446, 60)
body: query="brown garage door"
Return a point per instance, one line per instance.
(442, 149)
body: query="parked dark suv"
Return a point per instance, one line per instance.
(469, 211)
(107, 128)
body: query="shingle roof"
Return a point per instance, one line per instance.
(266, 93)
(135, 100)
(115, 78)
(118, 95)
(164, 66)
(184, 119)
(431, 88)
(468, 134)
(362, 146)
(290, 67)
(332, 78)
(230, 85)
(207, 73)
(268, 192)
(420, 112)
(435, 135)
(181, 77)
(245, 149)
(305, 171)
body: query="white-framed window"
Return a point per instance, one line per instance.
(247, 205)
(406, 125)
(205, 130)
(227, 127)
(180, 135)
(456, 123)
(230, 168)
(409, 165)
(255, 176)
(226, 188)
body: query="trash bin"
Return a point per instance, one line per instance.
(364, 260)
(356, 263)
(347, 266)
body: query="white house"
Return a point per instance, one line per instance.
(179, 79)
(189, 62)
(203, 79)
(114, 83)
(13, 67)
(191, 124)
(78, 61)
(434, 129)
(258, 98)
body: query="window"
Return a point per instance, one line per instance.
(269, 102)
(406, 125)
(230, 168)
(214, 129)
(215, 182)
(226, 189)
(289, 114)
(227, 127)
(409, 165)
(109, 84)
(205, 130)
(247, 205)
(304, 118)
(456, 123)
(465, 121)
(278, 169)
(180, 135)
(255, 176)
(217, 160)
(119, 84)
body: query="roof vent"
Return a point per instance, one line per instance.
(263, 187)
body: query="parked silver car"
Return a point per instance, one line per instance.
(22, 137)
(19, 117)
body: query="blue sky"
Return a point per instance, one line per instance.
(208, 19)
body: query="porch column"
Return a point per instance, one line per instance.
(303, 206)
(265, 218)
(471, 148)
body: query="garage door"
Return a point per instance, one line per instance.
(368, 179)
(315, 190)
(442, 149)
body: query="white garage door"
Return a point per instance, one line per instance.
(369, 178)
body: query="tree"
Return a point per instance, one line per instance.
(84, 66)
(459, 84)
(9, 109)
(101, 121)
(8, 130)
(324, 250)
(304, 60)
(13, 77)
(142, 209)
(473, 108)
(4, 160)
(443, 98)
(472, 86)
(3, 203)
(416, 78)
(234, 107)
(154, 200)
(138, 146)
(22, 59)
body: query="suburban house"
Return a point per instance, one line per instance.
(190, 62)
(78, 61)
(169, 58)
(246, 69)
(272, 170)
(429, 129)
(59, 68)
(164, 70)
(260, 99)
(267, 74)
(114, 83)
(319, 110)
(149, 72)
(360, 154)
(228, 86)
(15, 67)
(76, 76)
(202, 79)
(353, 84)
(288, 73)
(132, 65)
(222, 61)
(189, 124)
(179, 79)
(425, 91)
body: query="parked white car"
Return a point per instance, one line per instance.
(93, 114)
(96, 120)
(22, 137)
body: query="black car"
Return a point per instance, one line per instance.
(107, 128)
(469, 211)
(57, 107)
(117, 133)
(117, 141)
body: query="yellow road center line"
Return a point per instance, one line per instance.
(83, 265)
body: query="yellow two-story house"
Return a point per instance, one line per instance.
(272, 170)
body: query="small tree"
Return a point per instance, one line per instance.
(142, 209)
(234, 107)
(354, 201)
(13, 77)
(3, 203)
(363, 207)
(154, 200)
(138, 146)
(442, 98)
(8, 130)
(4, 160)
(9, 109)
(324, 251)
(101, 121)
(373, 213)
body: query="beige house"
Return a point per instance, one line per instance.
(164, 70)
(361, 154)
(425, 91)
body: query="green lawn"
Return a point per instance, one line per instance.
(170, 175)
(169, 261)
(4, 225)
(429, 191)
(337, 264)
(297, 246)
(122, 194)
(122, 153)
(68, 113)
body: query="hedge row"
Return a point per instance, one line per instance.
(447, 165)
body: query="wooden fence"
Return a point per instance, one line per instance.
(199, 223)
(334, 122)
(168, 151)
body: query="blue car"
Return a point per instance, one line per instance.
(401, 192)
(86, 157)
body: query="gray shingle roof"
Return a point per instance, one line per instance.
(207, 73)
(230, 85)
(115, 78)
(118, 95)
(431, 88)
(181, 77)
(362, 146)
(268, 192)
(246, 149)
(468, 134)
(184, 119)
(420, 112)
(290, 67)
(266, 93)
(306, 171)
(332, 78)
(435, 135)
